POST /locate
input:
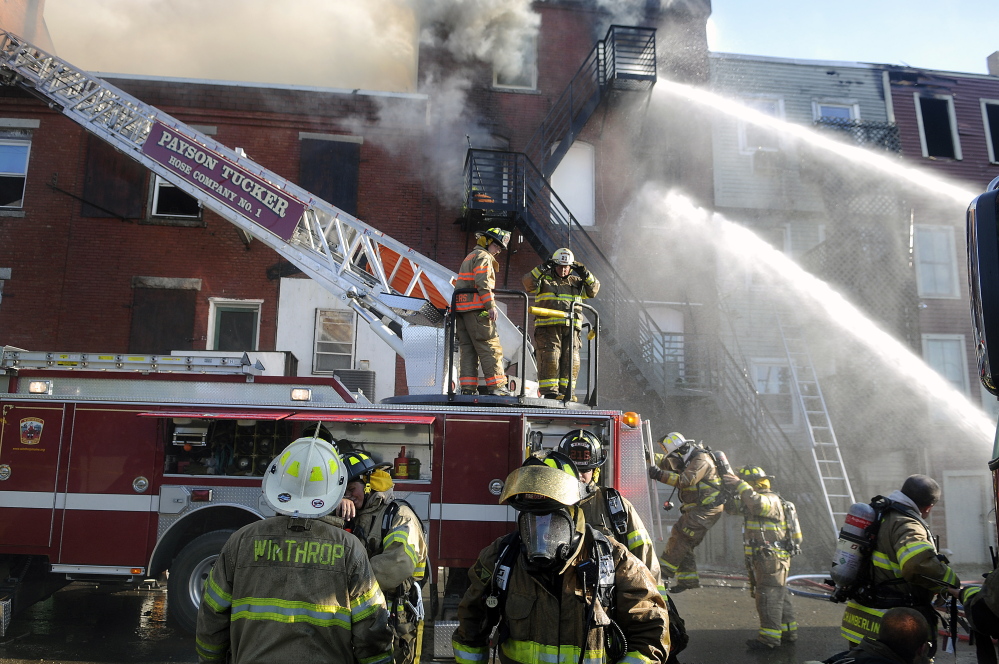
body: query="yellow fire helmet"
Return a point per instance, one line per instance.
(543, 485)
(308, 479)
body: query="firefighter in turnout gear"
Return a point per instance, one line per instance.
(691, 469)
(768, 560)
(559, 590)
(558, 284)
(907, 570)
(393, 538)
(295, 587)
(476, 313)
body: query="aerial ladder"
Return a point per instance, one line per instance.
(399, 292)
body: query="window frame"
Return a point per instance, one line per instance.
(315, 341)
(744, 147)
(961, 341)
(155, 183)
(9, 140)
(221, 304)
(991, 142)
(778, 363)
(817, 104)
(921, 288)
(533, 74)
(952, 119)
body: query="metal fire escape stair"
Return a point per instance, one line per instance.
(384, 281)
(517, 184)
(836, 487)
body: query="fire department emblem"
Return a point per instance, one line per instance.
(31, 430)
(4, 472)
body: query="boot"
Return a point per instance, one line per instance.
(500, 392)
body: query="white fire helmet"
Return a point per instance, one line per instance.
(563, 256)
(673, 442)
(307, 479)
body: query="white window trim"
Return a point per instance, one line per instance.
(215, 302)
(916, 96)
(534, 74)
(743, 148)
(315, 340)
(962, 342)
(27, 161)
(792, 393)
(157, 181)
(993, 149)
(956, 292)
(851, 103)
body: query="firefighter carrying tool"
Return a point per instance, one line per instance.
(393, 538)
(560, 284)
(298, 568)
(476, 313)
(533, 579)
(691, 469)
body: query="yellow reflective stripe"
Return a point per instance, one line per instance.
(637, 538)
(687, 576)
(950, 577)
(634, 657)
(531, 652)
(906, 553)
(215, 597)
(768, 524)
(668, 566)
(401, 535)
(772, 633)
(380, 658)
(363, 606)
(662, 591)
(881, 561)
(709, 498)
(464, 654)
(860, 621)
(288, 611)
(210, 652)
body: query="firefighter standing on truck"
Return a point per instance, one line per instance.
(295, 587)
(906, 568)
(393, 538)
(559, 283)
(765, 532)
(691, 469)
(559, 590)
(476, 314)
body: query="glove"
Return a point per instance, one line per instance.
(655, 473)
(581, 270)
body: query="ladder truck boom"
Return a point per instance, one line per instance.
(383, 280)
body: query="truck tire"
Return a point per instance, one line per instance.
(188, 574)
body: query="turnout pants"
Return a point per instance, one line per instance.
(478, 342)
(678, 556)
(768, 585)
(549, 340)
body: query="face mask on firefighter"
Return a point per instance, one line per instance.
(547, 537)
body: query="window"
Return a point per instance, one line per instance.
(990, 114)
(234, 325)
(945, 353)
(773, 383)
(329, 166)
(526, 78)
(335, 334)
(832, 110)
(169, 201)
(936, 262)
(937, 127)
(753, 136)
(13, 172)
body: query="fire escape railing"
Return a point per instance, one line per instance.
(624, 59)
(865, 133)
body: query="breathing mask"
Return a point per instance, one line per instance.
(549, 539)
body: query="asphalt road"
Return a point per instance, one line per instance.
(82, 624)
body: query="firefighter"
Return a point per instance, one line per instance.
(476, 314)
(295, 587)
(981, 608)
(691, 470)
(768, 560)
(906, 568)
(559, 590)
(558, 284)
(393, 538)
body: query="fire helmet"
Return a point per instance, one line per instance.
(497, 235)
(583, 448)
(306, 480)
(543, 485)
(359, 465)
(675, 442)
(563, 256)
(754, 474)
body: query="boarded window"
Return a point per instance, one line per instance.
(114, 186)
(937, 127)
(329, 169)
(13, 172)
(162, 320)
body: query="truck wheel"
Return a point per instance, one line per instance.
(188, 574)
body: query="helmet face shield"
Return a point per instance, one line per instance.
(547, 537)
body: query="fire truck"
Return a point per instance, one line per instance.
(118, 467)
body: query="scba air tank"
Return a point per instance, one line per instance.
(853, 546)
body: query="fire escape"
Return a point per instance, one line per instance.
(516, 185)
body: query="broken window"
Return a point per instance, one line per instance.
(169, 201)
(937, 128)
(990, 114)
